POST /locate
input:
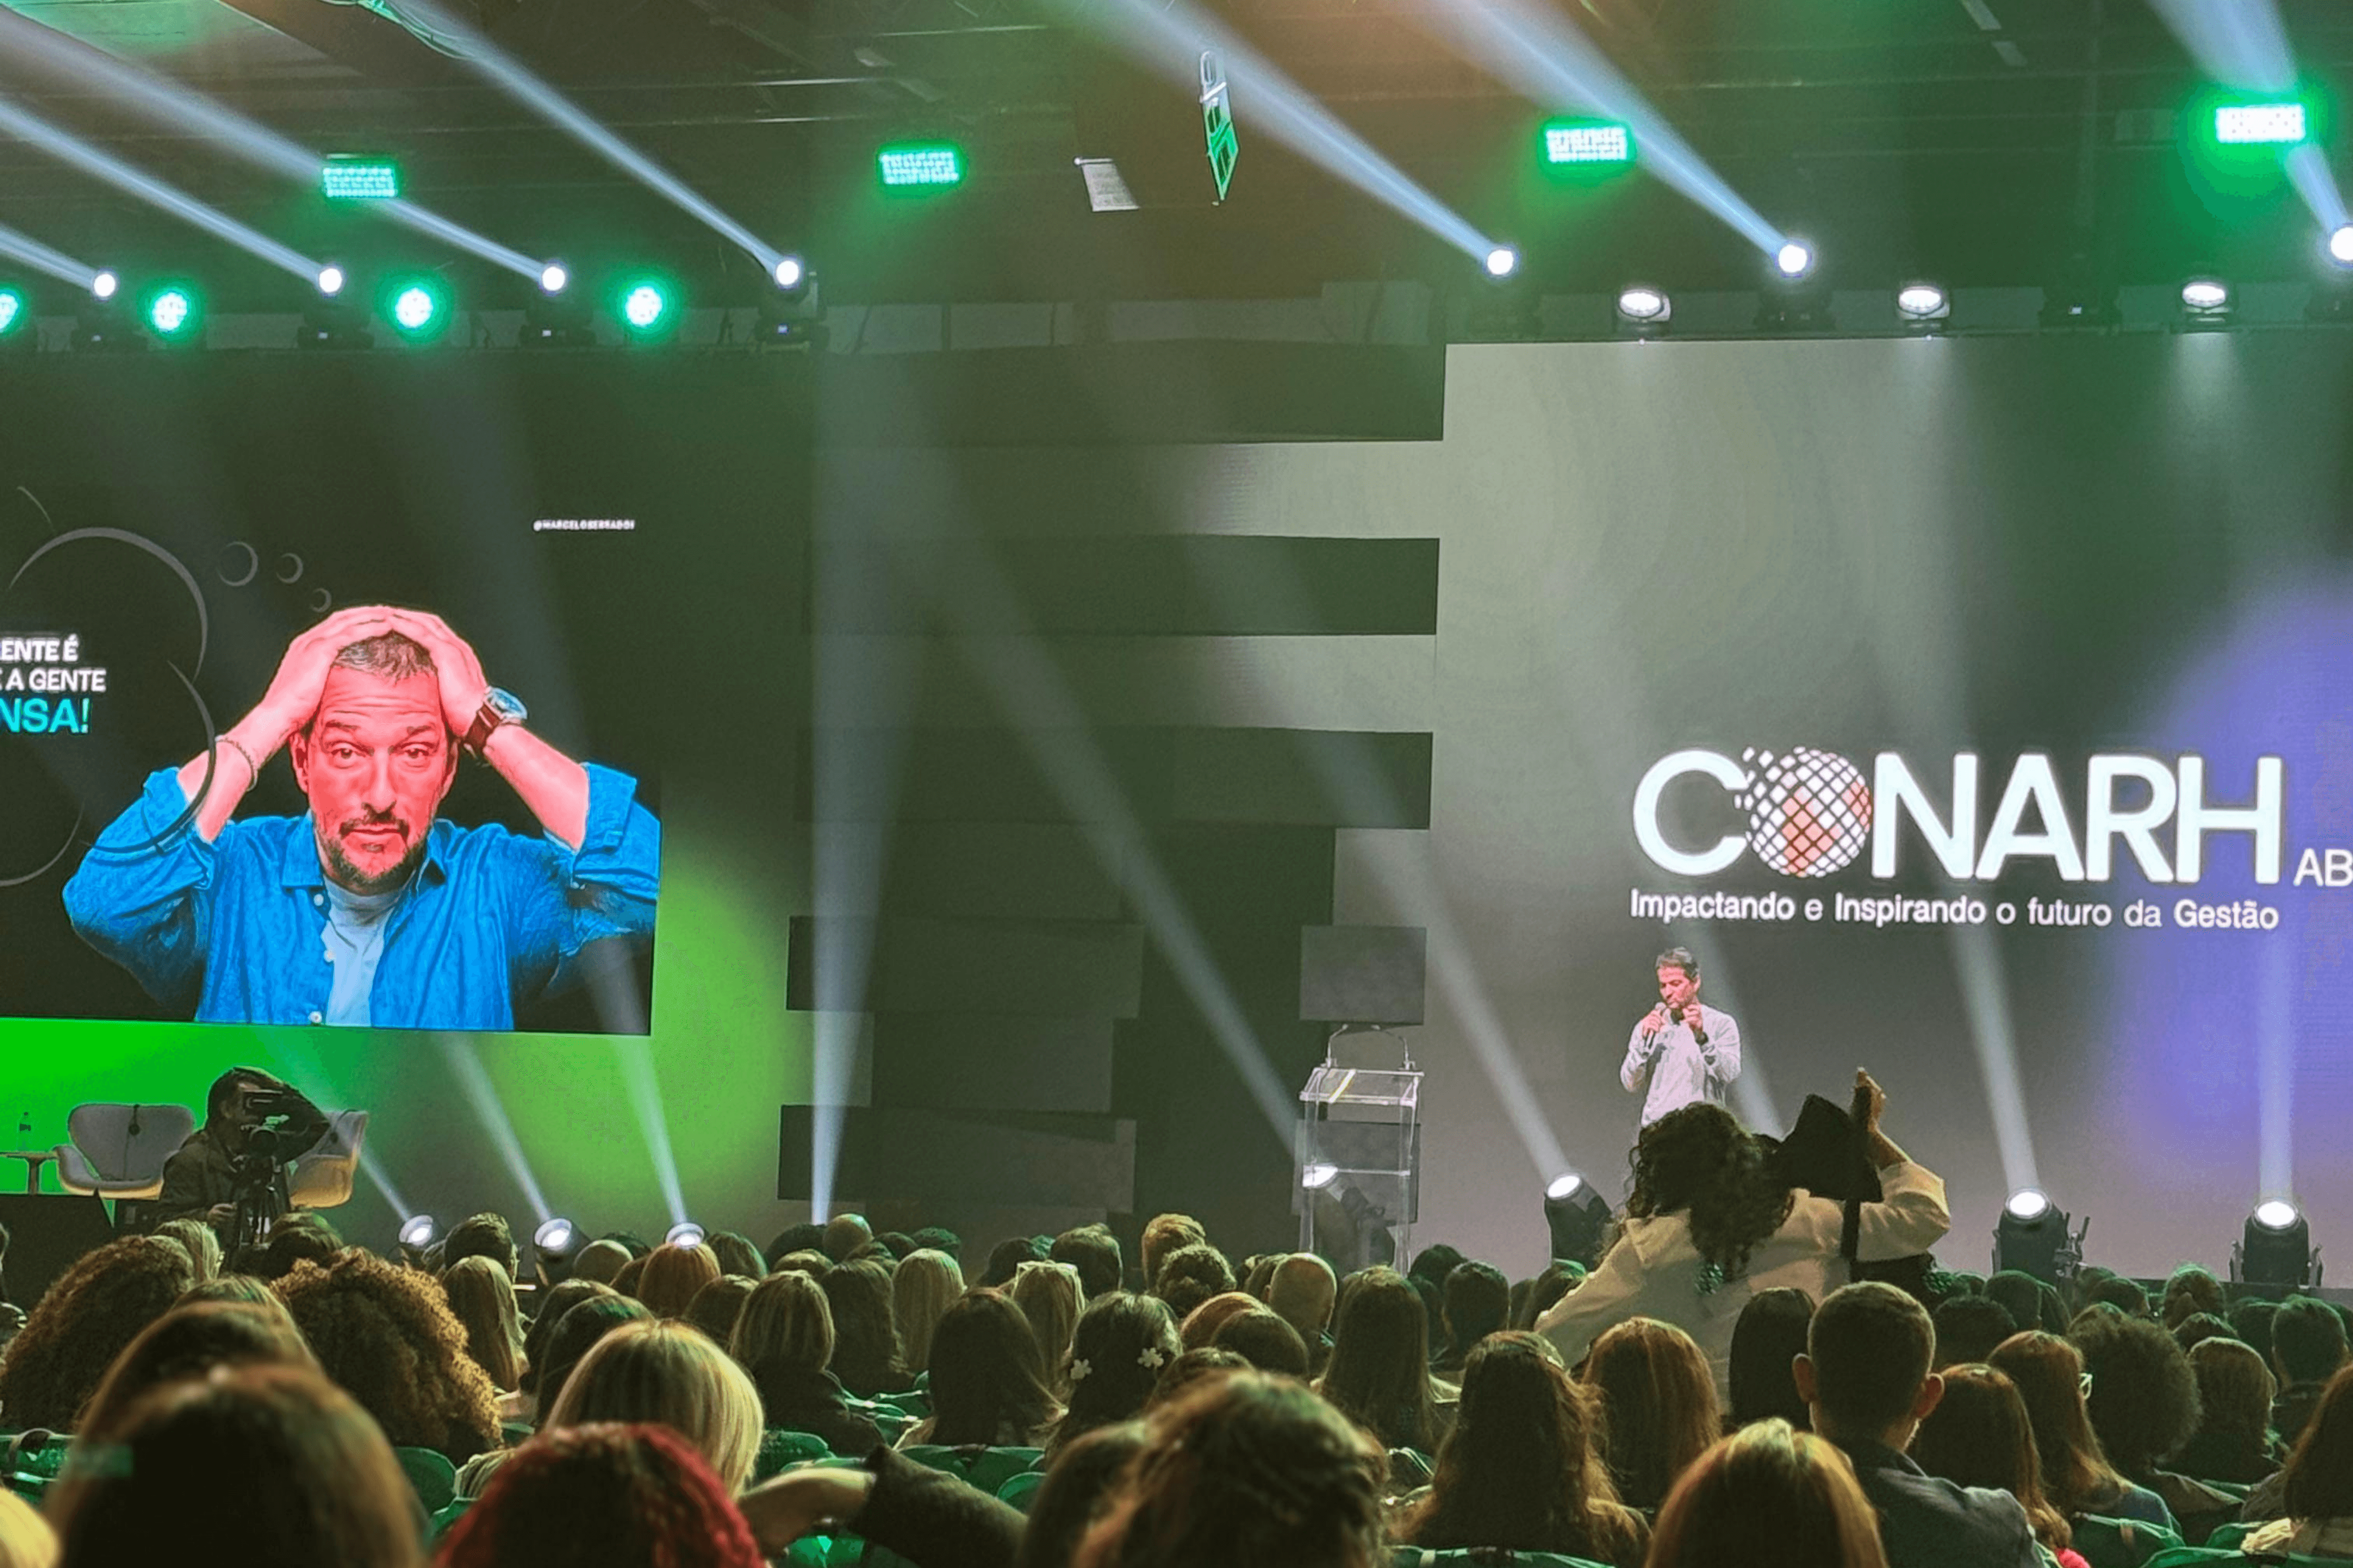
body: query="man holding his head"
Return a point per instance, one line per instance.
(1866, 1381)
(369, 908)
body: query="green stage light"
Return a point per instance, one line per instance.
(909, 166)
(647, 308)
(13, 310)
(354, 179)
(1570, 141)
(2260, 124)
(173, 313)
(417, 308)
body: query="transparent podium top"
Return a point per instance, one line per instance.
(1333, 1084)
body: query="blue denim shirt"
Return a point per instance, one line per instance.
(235, 928)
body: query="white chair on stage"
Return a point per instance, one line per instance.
(322, 1179)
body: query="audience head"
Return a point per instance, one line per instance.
(1969, 1327)
(1050, 1296)
(1377, 1375)
(1117, 1354)
(925, 1281)
(2144, 1397)
(196, 1237)
(2048, 1372)
(2021, 1295)
(1434, 1263)
(484, 1235)
(1768, 1497)
(2235, 1390)
(190, 1342)
(1006, 1258)
(785, 1326)
(1163, 1235)
(604, 1495)
(1561, 1276)
(1302, 1291)
(1658, 1396)
(285, 1461)
(865, 1340)
(1523, 1467)
(1264, 1341)
(1257, 1274)
(1478, 1302)
(2320, 1476)
(939, 1239)
(1093, 1251)
(988, 1383)
(296, 1238)
(1866, 1370)
(243, 1290)
(1699, 1160)
(2124, 1295)
(737, 1256)
(845, 1233)
(482, 1295)
(1245, 1471)
(1190, 1276)
(85, 1318)
(2190, 1290)
(1076, 1486)
(717, 1305)
(385, 1335)
(672, 1274)
(1979, 1436)
(804, 1237)
(1770, 1335)
(26, 1539)
(1191, 1367)
(810, 1261)
(2251, 1320)
(2308, 1340)
(575, 1335)
(2200, 1326)
(897, 1243)
(1200, 1325)
(553, 1304)
(600, 1261)
(672, 1373)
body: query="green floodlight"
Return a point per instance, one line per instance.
(15, 312)
(175, 313)
(346, 178)
(648, 308)
(1578, 143)
(2283, 124)
(920, 165)
(417, 308)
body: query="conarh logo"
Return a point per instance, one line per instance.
(1811, 813)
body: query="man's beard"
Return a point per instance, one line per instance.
(352, 879)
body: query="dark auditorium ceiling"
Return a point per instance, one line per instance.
(1979, 142)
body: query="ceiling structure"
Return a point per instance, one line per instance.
(1976, 141)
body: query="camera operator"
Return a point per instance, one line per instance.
(231, 1172)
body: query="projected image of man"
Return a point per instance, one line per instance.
(370, 909)
(1682, 1051)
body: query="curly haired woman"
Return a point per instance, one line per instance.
(83, 1322)
(1709, 1224)
(386, 1336)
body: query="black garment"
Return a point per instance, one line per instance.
(204, 1171)
(933, 1518)
(2220, 1457)
(2293, 1408)
(1926, 1522)
(803, 1399)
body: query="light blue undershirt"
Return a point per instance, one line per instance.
(354, 941)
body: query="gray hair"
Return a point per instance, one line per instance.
(1679, 958)
(387, 654)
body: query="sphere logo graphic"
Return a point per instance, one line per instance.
(1808, 810)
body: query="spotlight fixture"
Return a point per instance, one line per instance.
(556, 316)
(416, 309)
(331, 320)
(419, 1231)
(103, 324)
(1576, 1216)
(2206, 302)
(685, 1233)
(332, 281)
(2260, 124)
(348, 177)
(1796, 297)
(555, 1244)
(1576, 141)
(1794, 259)
(920, 165)
(791, 273)
(646, 310)
(1924, 306)
(552, 277)
(790, 315)
(16, 311)
(2275, 1248)
(1644, 311)
(104, 285)
(2340, 245)
(1501, 262)
(1317, 1174)
(173, 314)
(2032, 1238)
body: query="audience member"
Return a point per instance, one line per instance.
(925, 1281)
(2234, 1441)
(1560, 1276)
(482, 1298)
(635, 1245)
(1523, 1467)
(717, 1305)
(385, 1335)
(1768, 1497)
(674, 1272)
(1163, 1235)
(2030, 1303)
(808, 1261)
(554, 1304)
(2188, 1291)
(1190, 1276)
(1189, 1368)
(2316, 1485)
(1117, 1354)
(243, 1289)
(1969, 1327)
(85, 1318)
(1376, 1375)
(1867, 1374)
(573, 1337)
(2307, 1347)
(190, 1342)
(1433, 1263)
(1050, 1296)
(1476, 1302)
(286, 1470)
(783, 1337)
(988, 1384)
(1006, 1258)
(201, 1244)
(2252, 1320)
(1093, 1251)
(940, 1240)
(600, 1261)
(844, 1233)
(737, 1256)
(1659, 1404)
(1200, 1325)
(602, 1495)
(668, 1372)
(633, 1271)
(1257, 1273)
(897, 1243)
(804, 1237)
(1081, 1477)
(485, 1235)
(1708, 1212)
(26, 1539)
(865, 1340)
(1264, 1341)
(1245, 1471)
(2124, 1295)
(2076, 1474)
(1302, 1291)
(1768, 1337)
(2199, 1326)
(1977, 1435)
(2144, 1406)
